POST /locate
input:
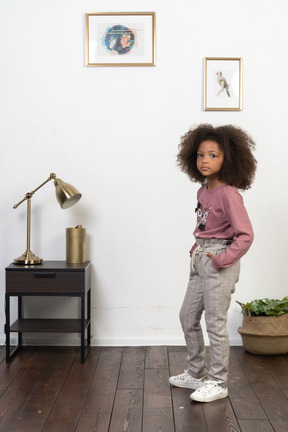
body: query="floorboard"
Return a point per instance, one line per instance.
(243, 398)
(126, 389)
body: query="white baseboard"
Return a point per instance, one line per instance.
(148, 342)
(72, 340)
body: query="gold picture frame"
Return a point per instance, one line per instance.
(120, 39)
(222, 84)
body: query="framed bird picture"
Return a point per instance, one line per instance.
(222, 84)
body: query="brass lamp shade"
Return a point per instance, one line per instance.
(66, 194)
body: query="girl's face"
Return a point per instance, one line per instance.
(209, 159)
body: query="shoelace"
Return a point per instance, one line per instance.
(208, 387)
(185, 376)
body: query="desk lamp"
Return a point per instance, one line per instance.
(66, 195)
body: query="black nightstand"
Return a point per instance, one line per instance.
(52, 278)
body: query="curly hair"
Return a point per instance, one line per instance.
(239, 165)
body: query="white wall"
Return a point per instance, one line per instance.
(114, 132)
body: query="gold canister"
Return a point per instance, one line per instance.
(75, 245)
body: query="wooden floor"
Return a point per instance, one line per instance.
(127, 390)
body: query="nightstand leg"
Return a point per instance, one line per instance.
(19, 316)
(85, 347)
(9, 352)
(89, 320)
(7, 326)
(82, 328)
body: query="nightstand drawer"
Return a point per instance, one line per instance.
(45, 282)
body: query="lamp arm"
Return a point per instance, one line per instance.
(30, 194)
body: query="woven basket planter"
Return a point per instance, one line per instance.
(265, 335)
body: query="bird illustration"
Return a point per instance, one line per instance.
(223, 83)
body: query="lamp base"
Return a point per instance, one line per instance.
(28, 258)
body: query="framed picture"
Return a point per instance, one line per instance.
(222, 84)
(120, 39)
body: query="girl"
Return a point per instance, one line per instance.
(221, 159)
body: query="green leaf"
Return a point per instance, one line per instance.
(266, 307)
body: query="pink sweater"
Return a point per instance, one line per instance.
(221, 215)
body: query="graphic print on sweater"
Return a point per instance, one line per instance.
(202, 214)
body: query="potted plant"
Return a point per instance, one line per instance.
(265, 326)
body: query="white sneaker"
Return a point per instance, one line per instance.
(209, 392)
(185, 380)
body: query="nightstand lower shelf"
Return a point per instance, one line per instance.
(48, 325)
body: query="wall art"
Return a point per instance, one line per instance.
(120, 39)
(222, 84)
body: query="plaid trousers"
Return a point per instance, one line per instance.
(209, 290)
